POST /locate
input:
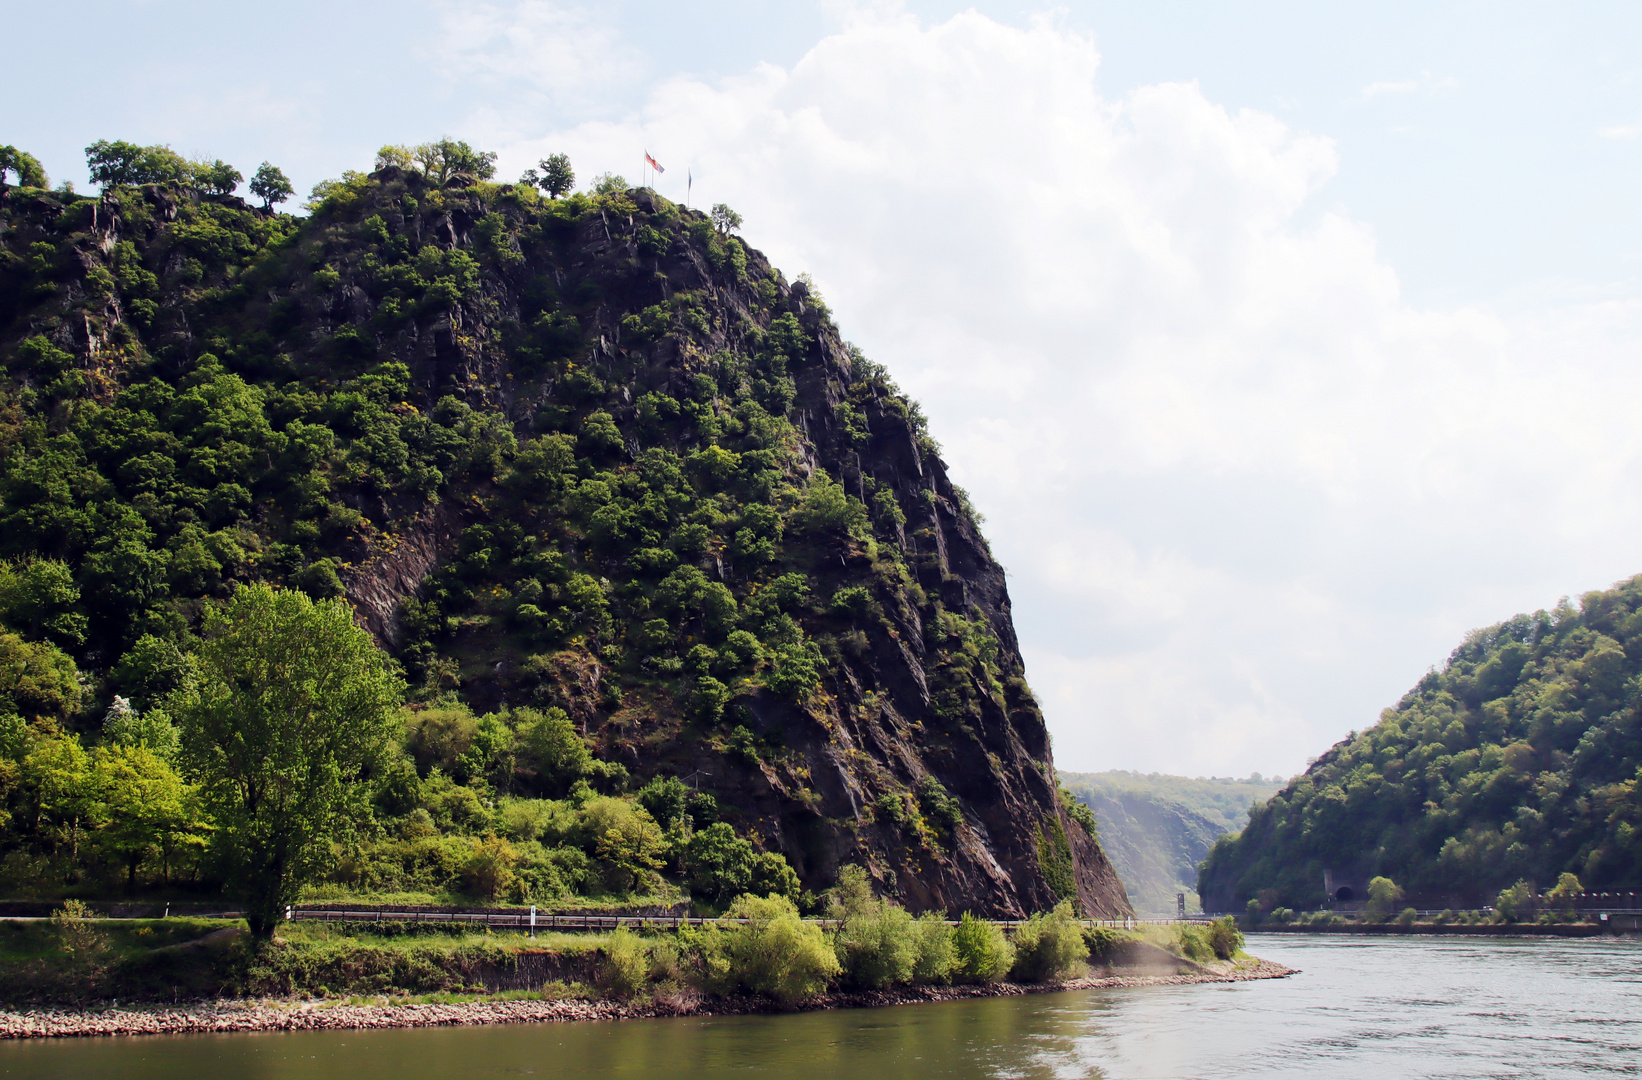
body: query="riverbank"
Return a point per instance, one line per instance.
(1569, 930)
(320, 1015)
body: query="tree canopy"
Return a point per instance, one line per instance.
(1520, 758)
(290, 720)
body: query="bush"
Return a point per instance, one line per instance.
(983, 953)
(624, 969)
(1561, 897)
(1407, 917)
(1049, 946)
(877, 945)
(777, 953)
(1102, 941)
(935, 957)
(1383, 895)
(1516, 902)
(1224, 938)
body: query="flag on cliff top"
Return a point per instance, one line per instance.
(654, 164)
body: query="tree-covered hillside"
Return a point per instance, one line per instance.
(1157, 828)
(1520, 759)
(635, 522)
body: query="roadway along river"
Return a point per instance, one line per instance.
(1392, 1007)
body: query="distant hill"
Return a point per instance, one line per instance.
(1520, 759)
(1157, 828)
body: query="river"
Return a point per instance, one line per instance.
(1387, 1007)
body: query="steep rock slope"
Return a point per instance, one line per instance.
(1154, 843)
(589, 453)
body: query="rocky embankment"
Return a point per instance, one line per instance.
(275, 1015)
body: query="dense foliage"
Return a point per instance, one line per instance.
(579, 506)
(1520, 759)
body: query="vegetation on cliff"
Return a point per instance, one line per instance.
(1156, 829)
(1518, 761)
(679, 588)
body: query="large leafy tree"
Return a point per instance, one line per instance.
(147, 806)
(27, 167)
(289, 720)
(270, 185)
(558, 178)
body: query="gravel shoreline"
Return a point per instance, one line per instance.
(273, 1015)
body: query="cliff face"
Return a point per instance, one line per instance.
(589, 453)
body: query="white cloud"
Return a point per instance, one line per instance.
(1620, 131)
(1246, 493)
(1427, 82)
(550, 57)
(1377, 88)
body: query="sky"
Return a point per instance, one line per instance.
(1281, 344)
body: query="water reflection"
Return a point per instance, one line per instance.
(1406, 1008)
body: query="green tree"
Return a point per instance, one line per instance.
(27, 167)
(983, 953)
(1050, 946)
(558, 178)
(291, 718)
(39, 598)
(625, 840)
(57, 777)
(216, 177)
(146, 804)
(725, 220)
(38, 682)
(1383, 897)
(118, 164)
(776, 952)
(552, 745)
(1561, 897)
(719, 864)
(877, 942)
(1516, 902)
(270, 185)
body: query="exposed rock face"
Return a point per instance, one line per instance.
(920, 752)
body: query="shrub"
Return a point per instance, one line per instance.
(938, 805)
(1516, 902)
(1049, 946)
(1383, 896)
(983, 953)
(777, 953)
(1103, 941)
(624, 969)
(489, 872)
(932, 941)
(1192, 942)
(1407, 917)
(877, 945)
(1561, 897)
(1224, 938)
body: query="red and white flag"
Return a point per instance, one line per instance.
(653, 163)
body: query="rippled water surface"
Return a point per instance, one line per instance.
(1383, 1008)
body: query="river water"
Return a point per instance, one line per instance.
(1381, 1008)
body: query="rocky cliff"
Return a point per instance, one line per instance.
(591, 453)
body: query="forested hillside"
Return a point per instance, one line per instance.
(1157, 828)
(676, 579)
(1519, 759)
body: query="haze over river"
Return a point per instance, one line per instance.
(1388, 1007)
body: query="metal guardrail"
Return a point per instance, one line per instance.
(532, 920)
